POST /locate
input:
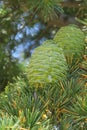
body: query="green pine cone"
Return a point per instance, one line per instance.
(72, 40)
(84, 65)
(47, 65)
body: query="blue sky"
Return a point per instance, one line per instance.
(18, 52)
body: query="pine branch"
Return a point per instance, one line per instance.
(75, 4)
